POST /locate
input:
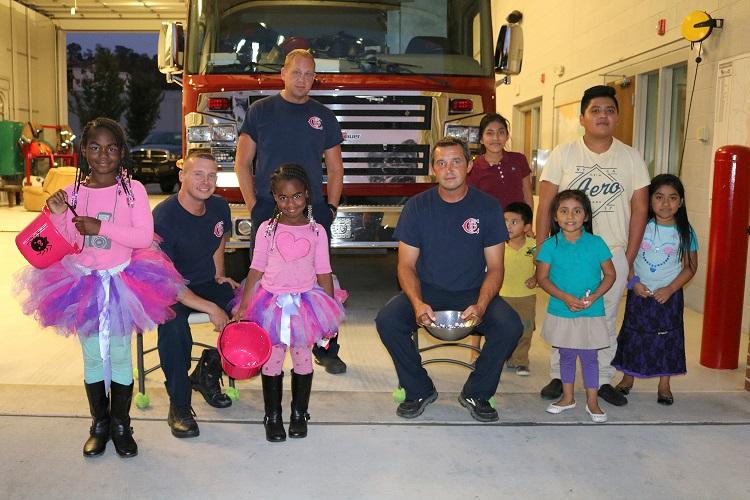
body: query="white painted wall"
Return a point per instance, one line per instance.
(591, 37)
(28, 65)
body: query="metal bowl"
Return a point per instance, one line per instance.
(449, 326)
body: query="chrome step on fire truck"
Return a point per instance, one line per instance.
(398, 75)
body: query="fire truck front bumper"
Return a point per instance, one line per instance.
(362, 226)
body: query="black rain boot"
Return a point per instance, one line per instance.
(301, 385)
(272, 399)
(99, 431)
(206, 379)
(122, 433)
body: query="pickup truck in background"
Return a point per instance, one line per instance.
(156, 160)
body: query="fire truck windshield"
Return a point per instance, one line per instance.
(430, 37)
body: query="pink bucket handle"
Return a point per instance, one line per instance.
(76, 247)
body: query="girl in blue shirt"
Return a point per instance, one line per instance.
(575, 268)
(652, 339)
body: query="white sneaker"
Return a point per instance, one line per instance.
(555, 408)
(596, 417)
(523, 371)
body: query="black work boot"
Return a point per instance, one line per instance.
(272, 399)
(122, 433)
(206, 379)
(99, 431)
(181, 420)
(301, 385)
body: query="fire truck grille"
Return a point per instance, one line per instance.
(386, 159)
(380, 112)
(382, 134)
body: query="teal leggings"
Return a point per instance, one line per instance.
(119, 353)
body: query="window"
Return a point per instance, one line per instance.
(444, 37)
(660, 118)
(677, 118)
(527, 119)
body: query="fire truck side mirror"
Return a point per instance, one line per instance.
(509, 50)
(171, 50)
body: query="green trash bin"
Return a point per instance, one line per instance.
(11, 162)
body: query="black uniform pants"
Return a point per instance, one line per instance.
(175, 341)
(500, 326)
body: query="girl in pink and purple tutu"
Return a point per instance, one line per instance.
(289, 291)
(118, 284)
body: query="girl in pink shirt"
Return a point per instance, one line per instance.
(119, 283)
(290, 292)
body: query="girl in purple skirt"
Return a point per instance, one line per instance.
(652, 339)
(118, 284)
(289, 291)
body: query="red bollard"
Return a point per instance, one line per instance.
(727, 257)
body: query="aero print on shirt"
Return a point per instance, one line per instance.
(600, 185)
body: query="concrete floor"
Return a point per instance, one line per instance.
(357, 446)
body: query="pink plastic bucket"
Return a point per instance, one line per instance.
(42, 244)
(244, 347)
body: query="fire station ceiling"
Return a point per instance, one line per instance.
(109, 15)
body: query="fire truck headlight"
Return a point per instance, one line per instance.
(199, 134)
(244, 227)
(223, 133)
(467, 133)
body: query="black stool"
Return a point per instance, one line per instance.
(470, 366)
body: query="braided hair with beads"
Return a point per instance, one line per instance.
(288, 172)
(125, 170)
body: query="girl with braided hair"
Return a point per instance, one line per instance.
(118, 284)
(289, 291)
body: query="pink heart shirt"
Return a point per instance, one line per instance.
(292, 263)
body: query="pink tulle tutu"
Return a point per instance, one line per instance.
(318, 315)
(69, 298)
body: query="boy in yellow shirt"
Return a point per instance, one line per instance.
(519, 282)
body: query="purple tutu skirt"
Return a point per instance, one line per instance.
(318, 316)
(69, 298)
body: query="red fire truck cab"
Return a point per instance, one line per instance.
(398, 75)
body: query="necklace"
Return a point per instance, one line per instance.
(654, 265)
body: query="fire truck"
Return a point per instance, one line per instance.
(398, 75)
